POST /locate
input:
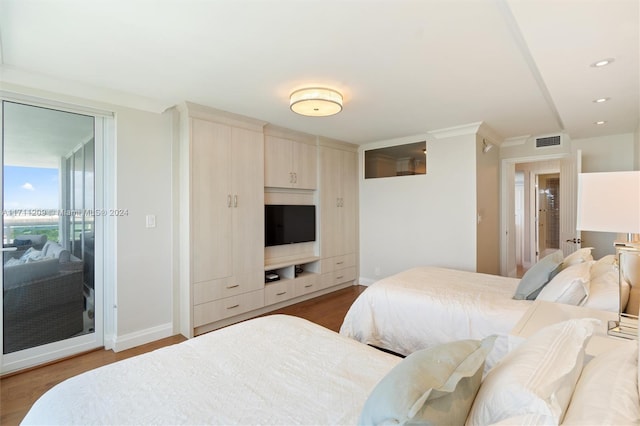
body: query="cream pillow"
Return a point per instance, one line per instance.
(606, 393)
(537, 377)
(603, 265)
(579, 256)
(570, 286)
(605, 293)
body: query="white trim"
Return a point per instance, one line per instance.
(449, 132)
(46, 103)
(365, 281)
(137, 338)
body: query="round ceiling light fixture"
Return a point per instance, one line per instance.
(316, 102)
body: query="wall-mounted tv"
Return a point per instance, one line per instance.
(288, 224)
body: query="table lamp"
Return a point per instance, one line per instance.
(610, 202)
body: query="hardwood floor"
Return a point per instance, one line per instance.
(19, 391)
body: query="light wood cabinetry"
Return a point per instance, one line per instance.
(338, 203)
(290, 159)
(222, 188)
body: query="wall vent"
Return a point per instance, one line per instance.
(548, 141)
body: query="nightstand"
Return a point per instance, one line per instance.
(541, 314)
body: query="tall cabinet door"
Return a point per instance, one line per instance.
(248, 202)
(348, 210)
(338, 196)
(212, 211)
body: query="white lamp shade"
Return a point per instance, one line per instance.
(609, 202)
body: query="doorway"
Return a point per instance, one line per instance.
(52, 298)
(520, 215)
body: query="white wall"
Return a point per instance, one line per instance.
(144, 187)
(420, 220)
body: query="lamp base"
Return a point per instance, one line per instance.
(627, 328)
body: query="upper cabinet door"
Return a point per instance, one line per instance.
(278, 162)
(289, 164)
(305, 165)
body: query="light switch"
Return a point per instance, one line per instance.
(151, 221)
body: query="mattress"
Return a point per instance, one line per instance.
(426, 306)
(271, 370)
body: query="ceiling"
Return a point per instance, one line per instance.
(404, 67)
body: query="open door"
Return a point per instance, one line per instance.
(570, 166)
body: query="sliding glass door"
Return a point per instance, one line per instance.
(49, 234)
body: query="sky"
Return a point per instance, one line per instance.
(30, 188)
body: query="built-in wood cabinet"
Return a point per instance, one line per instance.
(222, 189)
(229, 167)
(290, 159)
(338, 203)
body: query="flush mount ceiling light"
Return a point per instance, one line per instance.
(316, 102)
(601, 100)
(600, 123)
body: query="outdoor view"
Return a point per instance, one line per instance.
(48, 226)
(31, 199)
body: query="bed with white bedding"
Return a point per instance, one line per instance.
(272, 370)
(426, 306)
(286, 370)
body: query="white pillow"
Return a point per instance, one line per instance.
(605, 293)
(578, 256)
(607, 392)
(537, 377)
(570, 286)
(603, 265)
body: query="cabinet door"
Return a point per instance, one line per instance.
(330, 181)
(348, 205)
(305, 165)
(211, 213)
(248, 202)
(278, 162)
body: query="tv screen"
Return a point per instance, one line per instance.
(288, 224)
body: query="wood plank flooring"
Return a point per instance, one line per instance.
(19, 391)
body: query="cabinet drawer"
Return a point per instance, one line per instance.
(208, 291)
(217, 310)
(305, 285)
(338, 277)
(278, 291)
(338, 262)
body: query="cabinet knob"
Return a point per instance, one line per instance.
(235, 200)
(229, 200)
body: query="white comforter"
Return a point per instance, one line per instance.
(427, 306)
(271, 370)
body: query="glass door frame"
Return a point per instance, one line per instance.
(104, 226)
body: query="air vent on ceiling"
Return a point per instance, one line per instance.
(548, 141)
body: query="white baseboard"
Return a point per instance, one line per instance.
(131, 340)
(366, 281)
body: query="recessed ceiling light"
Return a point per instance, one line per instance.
(601, 100)
(602, 62)
(600, 123)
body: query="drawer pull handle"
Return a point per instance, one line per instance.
(233, 286)
(308, 285)
(233, 306)
(281, 293)
(340, 277)
(339, 263)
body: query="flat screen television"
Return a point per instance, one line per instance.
(289, 224)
